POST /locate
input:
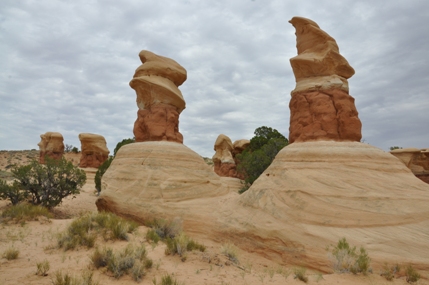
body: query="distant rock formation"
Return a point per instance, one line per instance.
(51, 145)
(224, 160)
(239, 146)
(159, 99)
(417, 160)
(94, 150)
(321, 108)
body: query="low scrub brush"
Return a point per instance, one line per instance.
(182, 244)
(85, 229)
(131, 260)
(25, 212)
(346, 259)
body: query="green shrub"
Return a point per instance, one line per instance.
(347, 260)
(262, 150)
(11, 253)
(131, 259)
(299, 273)
(43, 268)
(411, 274)
(12, 192)
(100, 172)
(47, 185)
(122, 143)
(25, 212)
(84, 230)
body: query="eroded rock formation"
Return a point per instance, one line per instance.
(417, 160)
(159, 99)
(321, 107)
(94, 150)
(224, 160)
(51, 145)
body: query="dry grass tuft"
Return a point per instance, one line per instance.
(11, 253)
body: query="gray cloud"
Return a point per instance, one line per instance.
(66, 66)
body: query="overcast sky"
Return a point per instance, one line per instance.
(65, 66)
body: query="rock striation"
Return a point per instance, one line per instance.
(94, 150)
(321, 107)
(51, 145)
(159, 99)
(151, 177)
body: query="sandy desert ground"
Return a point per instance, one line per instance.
(36, 242)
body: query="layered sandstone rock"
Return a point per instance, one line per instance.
(151, 177)
(51, 145)
(159, 99)
(94, 150)
(321, 108)
(327, 190)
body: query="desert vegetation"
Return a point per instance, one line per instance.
(346, 259)
(262, 150)
(46, 185)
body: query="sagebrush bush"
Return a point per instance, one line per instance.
(11, 253)
(299, 273)
(167, 280)
(132, 259)
(346, 259)
(166, 229)
(85, 229)
(67, 279)
(43, 268)
(230, 251)
(181, 244)
(411, 274)
(25, 212)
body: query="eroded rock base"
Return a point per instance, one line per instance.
(323, 115)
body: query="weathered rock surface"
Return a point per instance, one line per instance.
(224, 164)
(239, 146)
(94, 150)
(51, 145)
(327, 190)
(159, 99)
(321, 108)
(149, 177)
(417, 160)
(224, 160)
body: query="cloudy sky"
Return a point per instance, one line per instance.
(66, 65)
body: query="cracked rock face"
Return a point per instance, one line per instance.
(51, 145)
(321, 107)
(159, 99)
